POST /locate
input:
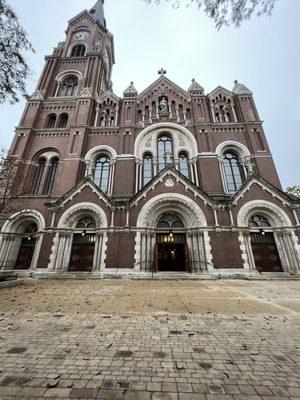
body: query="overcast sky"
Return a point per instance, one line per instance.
(264, 54)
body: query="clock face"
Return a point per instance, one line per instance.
(81, 35)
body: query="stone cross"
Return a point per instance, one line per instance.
(162, 71)
(168, 158)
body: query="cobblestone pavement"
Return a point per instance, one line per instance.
(150, 340)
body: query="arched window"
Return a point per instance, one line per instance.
(218, 117)
(180, 112)
(51, 121)
(184, 164)
(63, 120)
(147, 168)
(101, 172)
(227, 117)
(86, 223)
(258, 221)
(38, 176)
(68, 86)
(78, 51)
(164, 147)
(112, 121)
(233, 171)
(170, 221)
(102, 121)
(51, 176)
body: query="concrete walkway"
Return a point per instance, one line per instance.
(150, 340)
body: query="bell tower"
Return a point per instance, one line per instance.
(63, 106)
(88, 48)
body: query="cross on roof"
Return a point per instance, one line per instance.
(162, 71)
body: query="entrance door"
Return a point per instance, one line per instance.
(265, 252)
(171, 253)
(82, 253)
(25, 253)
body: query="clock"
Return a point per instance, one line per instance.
(81, 35)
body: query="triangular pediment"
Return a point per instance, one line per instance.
(162, 85)
(265, 186)
(169, 177)
(220, 90)
(76, 190)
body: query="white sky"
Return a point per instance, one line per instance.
(264, 54)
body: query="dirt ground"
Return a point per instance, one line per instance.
(147, 297)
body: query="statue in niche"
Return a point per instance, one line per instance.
(163, 107)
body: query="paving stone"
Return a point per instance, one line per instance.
(84, 393)
(57, 392)
(164, 396)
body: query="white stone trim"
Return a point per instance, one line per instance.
(233, 145)
(92, 153)
(274, 213)
(183, 140)
(10, 243)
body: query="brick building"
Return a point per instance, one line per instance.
(167, 179)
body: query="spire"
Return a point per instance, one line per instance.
(97, 12)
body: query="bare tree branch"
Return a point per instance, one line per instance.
(226, 12)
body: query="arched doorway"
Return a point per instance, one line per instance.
(83, 246)
(264, 248)
(27, 247)
(171, 249)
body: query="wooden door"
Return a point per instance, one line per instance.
(265, 252)
(82, 253)
(25, 254)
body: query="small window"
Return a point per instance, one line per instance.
(170, 221)
(68, 86)
(184, 164)
(147, 168)
(78, 51)
(51, 121)
(101, 172)
(86, 223)
(258, 221)
(102, 121)
(63, 120)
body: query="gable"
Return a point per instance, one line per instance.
(220, 90)
(165, 86)
(171, 181)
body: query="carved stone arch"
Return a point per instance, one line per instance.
(11, 237)
(12, 224)
(146, 140)
(74, 213)
(60, 77)
(92, 153)
(276, 216)
(240, 148)
(189, 211)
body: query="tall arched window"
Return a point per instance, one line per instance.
(147, 168)
(51, 121)
(63, 120)
(233, 171)
(51, 176)
(78, 51)
(68, 86)
(38, 176)
(184, 164)
(164, 146)
(101, 172)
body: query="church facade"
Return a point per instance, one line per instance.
(161, 181)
